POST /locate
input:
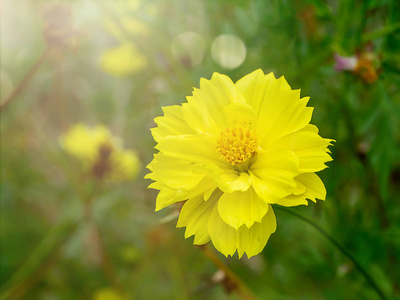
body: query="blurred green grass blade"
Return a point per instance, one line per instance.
(322, 9)
(383, 148)
(342, 249)
(27, 274)
(381, 32)
(369, 119)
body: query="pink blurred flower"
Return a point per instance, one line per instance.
(345, 63)
(365, 65)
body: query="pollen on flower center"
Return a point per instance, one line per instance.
(237, 144)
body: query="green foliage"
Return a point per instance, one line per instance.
(65, 236)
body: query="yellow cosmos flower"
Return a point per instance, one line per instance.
(101, 154)
(233, 150)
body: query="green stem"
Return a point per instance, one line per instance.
(18, 284)
(25, 80)
(360, 268)
(107, 265)
(240, 287)
(32, 270)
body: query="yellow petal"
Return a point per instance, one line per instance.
(208, 194)
(253, 240)
(176, 174)
(257, 87)
(314, 189)
(168, 196)
(194, 215)
(273, 172)
(221, 234)
(233, 181)
(263, 190)
(279, 109)
(172, 123)
(198, 118)
(292, 200)
(311, 127)
(241, 208)
(178, 180)
(154, 185)
(241, 113)
(311, 149)
(198, 148)
(284, 114)
(204, 111)
(206, 187)
(299, 188)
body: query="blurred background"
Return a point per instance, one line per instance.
(68, 232)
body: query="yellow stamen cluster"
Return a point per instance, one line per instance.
(237, 144)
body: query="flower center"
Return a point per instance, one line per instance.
(237, 144)
(366, 70)
(103, 165)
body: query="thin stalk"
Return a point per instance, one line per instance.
(240, 287)
(381, 32)
(20, 87)
(360, 268)
(107, 265)
(30, 272)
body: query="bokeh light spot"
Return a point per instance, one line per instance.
(228, 51)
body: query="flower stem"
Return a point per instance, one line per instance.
(30, 272)
(240, 287)
(33, 269)
(25, 80)
(360, 268)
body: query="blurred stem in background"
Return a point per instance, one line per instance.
(235, 283)
(34, 267)
(24, 82)
(106, 264)
(378, 176)
(386, 30)
(360, 268)
(32, 270)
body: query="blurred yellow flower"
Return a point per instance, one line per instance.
(133, 17)
(129, 24)
(123, 60)
(233, 150)
(101, 154)
(365, 65)
(130, 19)
(108, 294)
